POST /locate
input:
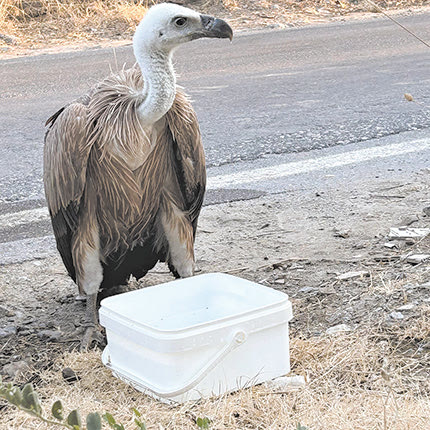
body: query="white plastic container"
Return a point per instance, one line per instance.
(197, 337)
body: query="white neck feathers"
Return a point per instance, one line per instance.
(159, 84)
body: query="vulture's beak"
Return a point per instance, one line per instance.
(215, 27)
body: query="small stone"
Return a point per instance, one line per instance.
(15, 368)
(307, 289)
(341, 233)
(18, 314)
(408, 232)
(426, 211)
(7, 331)
(408, 220)
(386, 258)
(407, 307)
(359, 245)
(417, 258)
(340, 328)
(390, 245)
(425, 285)
(6, 312)
(280, 281)
(396, 315)
(25, 332)
(69, 375)
(28, 320)
(53, 335)
(9, 40)
(352, 275)
(286, 383)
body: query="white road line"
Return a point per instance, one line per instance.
(314, 164)
(23, 217)
(262, 174)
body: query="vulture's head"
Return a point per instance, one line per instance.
(167, 25)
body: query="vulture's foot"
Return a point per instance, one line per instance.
(184, 270)
(93, 330)
(92, 335)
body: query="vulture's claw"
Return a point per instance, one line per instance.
(92, 335)
(93, 330)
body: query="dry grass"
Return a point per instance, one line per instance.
(49, 22)
(345, 389)
(281, 13)
(33, 24)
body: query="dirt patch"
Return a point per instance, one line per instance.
(34, 27)
(300, 243)
(246, 14)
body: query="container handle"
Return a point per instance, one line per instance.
(237, 339)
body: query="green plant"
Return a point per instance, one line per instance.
(27, 400)
(203, 423)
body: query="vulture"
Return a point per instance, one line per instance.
(124, 167)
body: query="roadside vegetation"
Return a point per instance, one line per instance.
(35, 24)
(369, 379)
(26, 25)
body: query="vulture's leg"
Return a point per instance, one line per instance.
(89, 277)
(179, 234)
(91, 322)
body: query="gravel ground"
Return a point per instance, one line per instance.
(329, 251)
(268, 240)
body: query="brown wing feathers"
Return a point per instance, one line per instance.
(188, 156)
(64, 175)
(87, 152)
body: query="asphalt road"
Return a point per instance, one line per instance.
(269, 98)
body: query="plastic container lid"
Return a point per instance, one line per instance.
(194, 311)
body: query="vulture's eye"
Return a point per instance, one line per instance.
(181, 21)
